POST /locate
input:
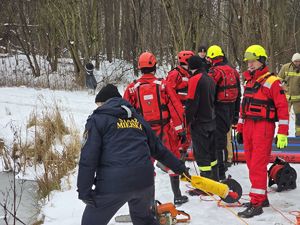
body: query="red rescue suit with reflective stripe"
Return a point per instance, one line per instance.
(178, 79)
(264, 102)
(172, 121)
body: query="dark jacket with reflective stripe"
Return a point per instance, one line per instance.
(118, 150)
(201, 100)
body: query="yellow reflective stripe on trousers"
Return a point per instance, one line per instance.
(213, 163)
(293, 97)
(258, 191)
(293, 74)
(204, 168)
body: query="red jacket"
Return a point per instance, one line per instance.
(178, 79)
(170, 106)
(264, 99)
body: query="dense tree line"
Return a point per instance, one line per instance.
(107, 29)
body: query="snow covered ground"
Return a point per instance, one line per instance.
(16, 104)
(15, 71)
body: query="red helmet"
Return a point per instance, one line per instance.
(146, 60)
(183, 56)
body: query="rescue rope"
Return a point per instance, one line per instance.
(232, 205)
(285, 217)
(202, 198)
(196, 169)
(227, 208)
(294, 213)
(297, 214)
(230, 210)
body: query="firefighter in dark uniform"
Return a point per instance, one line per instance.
(116, 158)
(200, 114)
(227, 102)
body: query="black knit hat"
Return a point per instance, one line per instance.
(107, 92)
(195, 62)
(202, 48)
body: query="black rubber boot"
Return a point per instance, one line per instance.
(265, 203)
(221, 164)
(178, 198)
(252, 210)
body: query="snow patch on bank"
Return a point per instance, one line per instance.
(63, 207)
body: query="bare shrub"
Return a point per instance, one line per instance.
(4, 154)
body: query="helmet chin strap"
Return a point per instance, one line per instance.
(260, 68)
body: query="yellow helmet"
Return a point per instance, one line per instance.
(255, 52)
(214, 51)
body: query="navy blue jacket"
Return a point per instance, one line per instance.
(116, 155)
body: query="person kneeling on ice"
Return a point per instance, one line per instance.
(264, 102)
(116, 159)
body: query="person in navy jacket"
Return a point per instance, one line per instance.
(115, 163)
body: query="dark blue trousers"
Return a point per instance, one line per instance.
(139, 202)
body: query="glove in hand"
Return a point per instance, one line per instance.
(281, 141)
(89, 199)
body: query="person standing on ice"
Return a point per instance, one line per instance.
(290, 74)
(264, 102)
(227, 102)
(116, 159)
(157, 102)
(90, 80)
(178, 79)
(200, 115)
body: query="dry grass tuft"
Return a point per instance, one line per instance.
(56, 163)
(54, 146)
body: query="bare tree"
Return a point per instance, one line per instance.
(98, 30)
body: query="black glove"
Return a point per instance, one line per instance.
(182, 136)
(89, 199)
(239, 138)
(90, 202)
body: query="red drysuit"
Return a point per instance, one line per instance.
(160, 107)
(178, 79)
(264, 102)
